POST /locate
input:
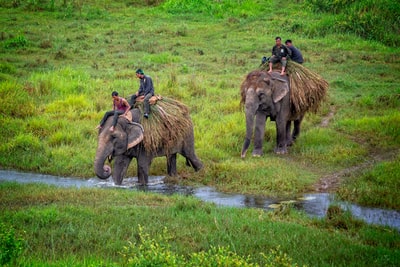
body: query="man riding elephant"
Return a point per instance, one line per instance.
(280, 53)
(146, 89)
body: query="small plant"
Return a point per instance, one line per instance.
(219, 256)
(7, 68)
(10, 245)
(157, 252)
(151, 252)
(278, 258)
(16, 42)
(341, 219)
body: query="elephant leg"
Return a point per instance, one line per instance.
(246, 145)
(171, 165)
(281, 147)
(289, 140)
(143, 166)
(250, 110)
(188, 152)
(259, 132)
(296, 128)
(121, 164)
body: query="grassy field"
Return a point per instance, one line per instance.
(60, 61)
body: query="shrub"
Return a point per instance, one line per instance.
(10, 245)
(7, 68)
(151, 252)
(16, 42)
(157, 252)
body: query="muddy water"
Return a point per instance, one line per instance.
(314, 204)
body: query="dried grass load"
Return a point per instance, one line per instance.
(307, 88)
(169, 122)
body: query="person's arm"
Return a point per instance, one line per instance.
(126, 104)
(289, 51)
(141, 88)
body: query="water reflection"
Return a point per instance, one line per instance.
(312, 204)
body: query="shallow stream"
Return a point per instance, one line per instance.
(313, 204)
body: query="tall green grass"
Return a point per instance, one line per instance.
(372, 20)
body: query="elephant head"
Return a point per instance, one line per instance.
(126, 135)
(263, 95)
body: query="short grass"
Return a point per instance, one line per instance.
(82, 227)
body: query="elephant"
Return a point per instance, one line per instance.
(266, 95)
(126, 142)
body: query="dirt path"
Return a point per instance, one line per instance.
(331, 182)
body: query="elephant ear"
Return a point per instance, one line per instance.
(280, 88)
(135, 134)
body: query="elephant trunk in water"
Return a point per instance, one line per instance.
(102, 171)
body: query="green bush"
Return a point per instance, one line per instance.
(16, 42)
(7, 68)
(157, 252)
(151, 252)
(10, 245)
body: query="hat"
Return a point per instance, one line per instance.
(139, 71)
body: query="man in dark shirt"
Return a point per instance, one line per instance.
(296, 54)
(280, 53)
(146, 89)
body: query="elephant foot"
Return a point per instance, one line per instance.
(280, 150)
(245, 147)
(117, 181)
(257, 153)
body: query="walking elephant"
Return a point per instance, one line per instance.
(126, 142)
(266, 95)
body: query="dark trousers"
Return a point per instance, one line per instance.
(114, 113)
(146, 104)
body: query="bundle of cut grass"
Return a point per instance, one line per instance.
(308, 89)
(169, 122)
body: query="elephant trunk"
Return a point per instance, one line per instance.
(102, 171)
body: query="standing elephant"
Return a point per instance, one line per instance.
(267, 95)
(126, 142)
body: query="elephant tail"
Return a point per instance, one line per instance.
(194, 163)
